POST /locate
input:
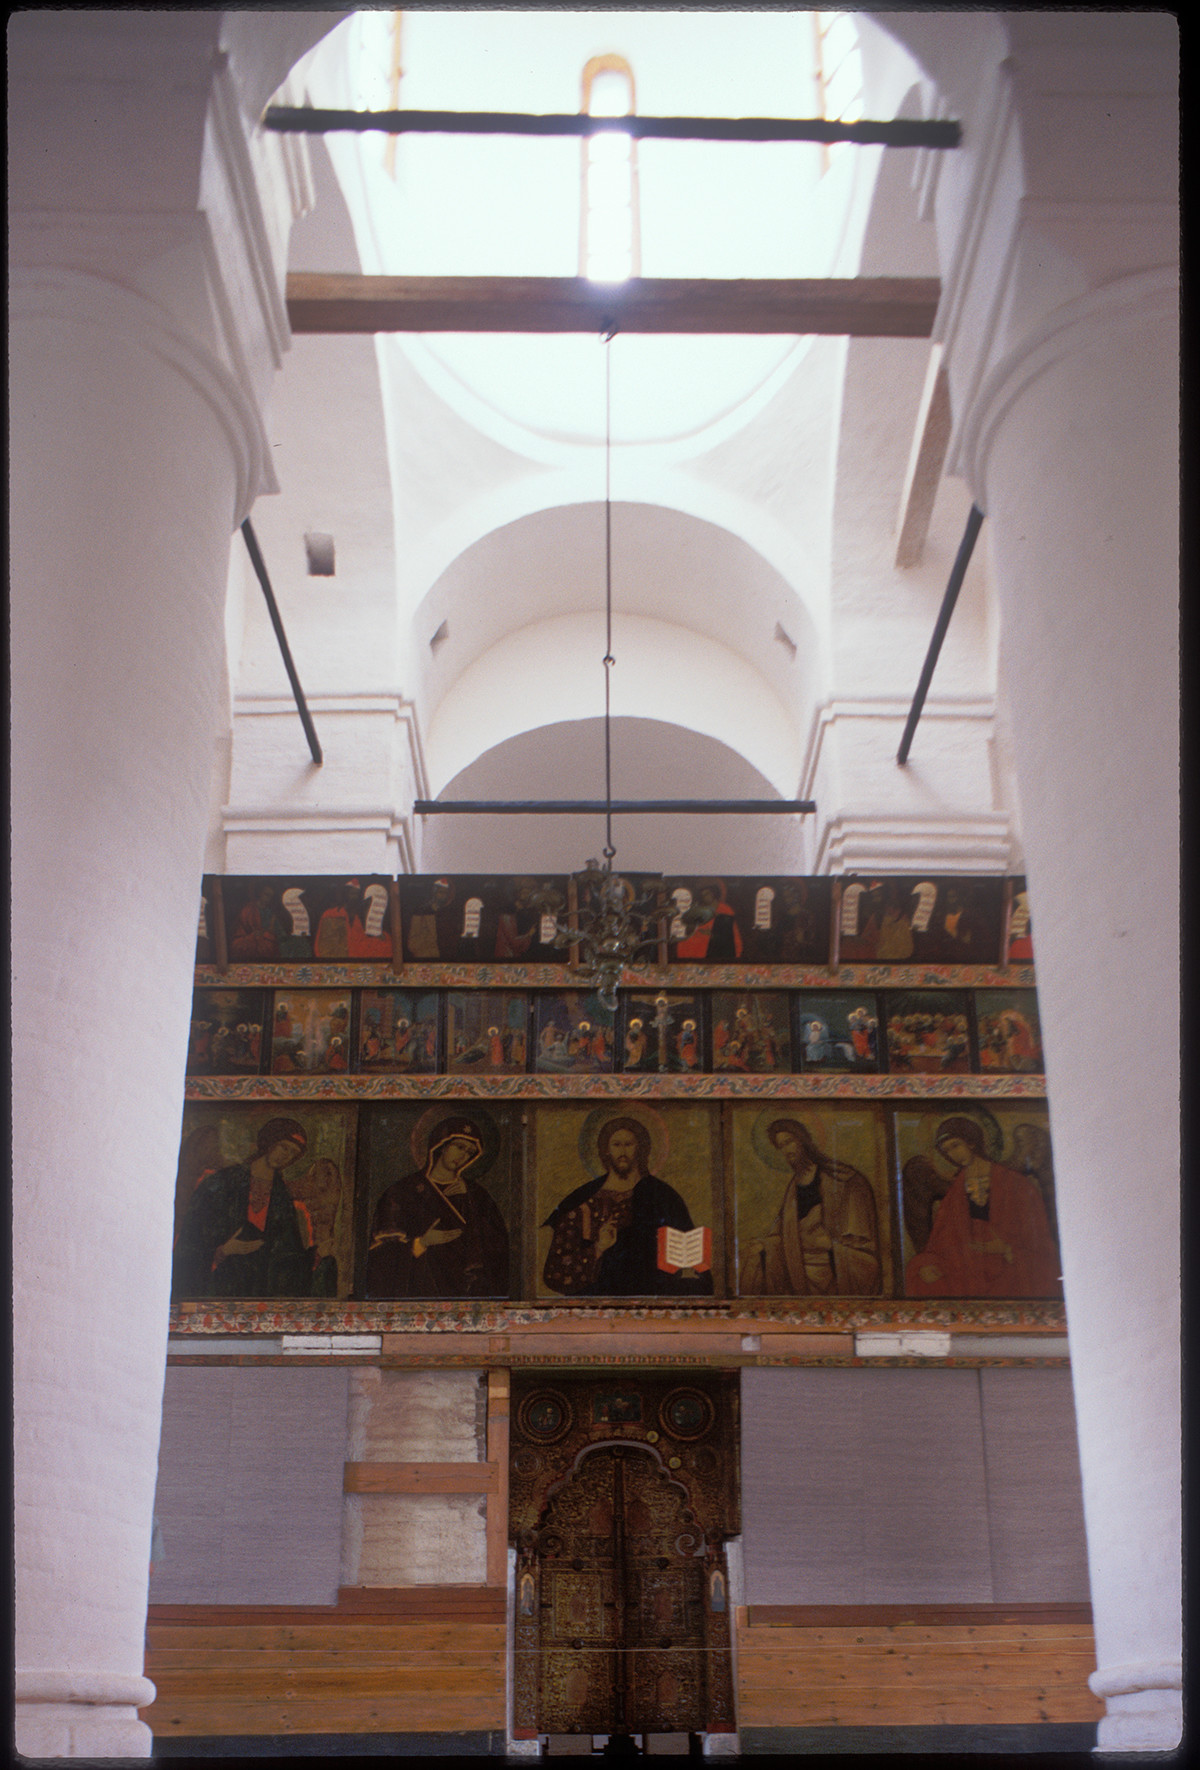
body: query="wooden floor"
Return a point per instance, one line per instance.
(427, 1660)
(914, 1666)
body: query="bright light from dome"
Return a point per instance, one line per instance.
(609, 175)
(607, 208)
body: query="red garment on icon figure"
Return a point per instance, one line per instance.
(1008, 1253)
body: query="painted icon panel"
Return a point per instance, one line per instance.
(487, 1032)
(921, 920)
(627, 1204)
(481, 918)
(783, 921)
(351, 920)
(662, 1032)
(528, 912)
(1009, 1031)
(1020, 925)
(206, 923)
(756, 921)
(574, 1033)
(837, 1030)
(977, 1199)
(750, 1032)
(397, 1032)
(438, 1188)
(299, 917)
(703, 925)
(264, 1200)
(310, 1032)
(268, 920)
(227, 1032)
(928, 1032)
(811, 1199)
(449, 917)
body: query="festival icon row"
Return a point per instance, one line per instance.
(567, 1032)
(404, 1201)
(489, 919)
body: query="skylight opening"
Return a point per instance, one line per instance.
(378, 71)
(609, 247)
(372, 83)
(839, 75)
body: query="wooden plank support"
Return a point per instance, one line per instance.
(400, 1607)
(319, 1669)
(215, 1717)
(926, 1616)
(354, 1635)
(858, 307)
(403, 1605)
(927, 458)
(733, 1341)
(497, 1450)
(909, 1665)
(421, 1478)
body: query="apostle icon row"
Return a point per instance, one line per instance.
(410, 1200)
(567, 1032)
(486, 919)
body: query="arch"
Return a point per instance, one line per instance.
(264, 47)
(531, 677)
(799, 571)
(650, 758)
(607, 64)
(631, 1446)
(694, 576)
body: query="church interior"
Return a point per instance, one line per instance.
(595, 786)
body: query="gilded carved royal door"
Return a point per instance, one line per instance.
(622, 1591)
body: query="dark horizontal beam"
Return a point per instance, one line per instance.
(855, 307)
(897, 132)
(576, 807)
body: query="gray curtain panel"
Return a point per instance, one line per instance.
(911, 1486)
(1035, 1502)
(250, 1486)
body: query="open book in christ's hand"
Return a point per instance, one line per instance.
(679, 1249)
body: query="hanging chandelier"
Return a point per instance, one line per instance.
(612, 929)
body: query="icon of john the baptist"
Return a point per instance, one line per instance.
(825, 1239)
(436, 1232)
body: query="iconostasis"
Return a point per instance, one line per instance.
(399, 1094)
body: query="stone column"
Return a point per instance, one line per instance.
(135, 449)
(1058, 246)
(124, 486)
(1086, 573)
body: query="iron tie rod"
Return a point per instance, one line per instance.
(900, 132)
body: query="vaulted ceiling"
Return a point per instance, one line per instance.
(755, 481)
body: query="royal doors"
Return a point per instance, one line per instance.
(624, 1495)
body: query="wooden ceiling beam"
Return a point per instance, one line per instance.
(856, 307)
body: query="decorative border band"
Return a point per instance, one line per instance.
(838, 1314)
(708, 1086)
(673, 976)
